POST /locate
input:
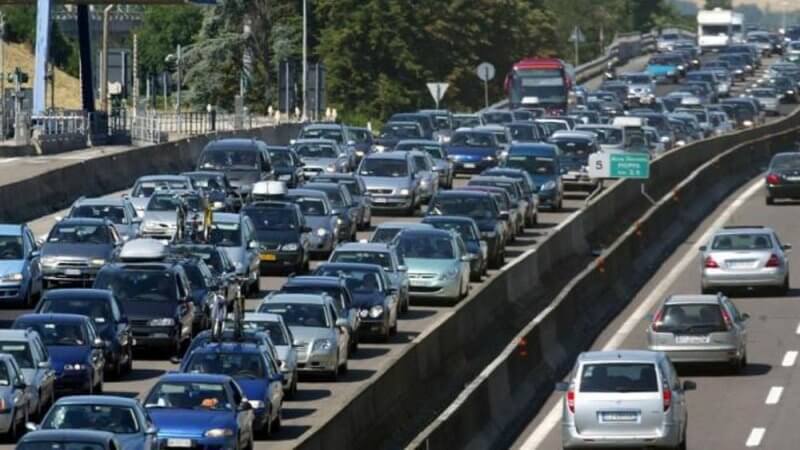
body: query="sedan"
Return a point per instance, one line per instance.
(321, 156)
(441, 162)
(20, 270)
(783, 177)
(76, 249)
(391, 182)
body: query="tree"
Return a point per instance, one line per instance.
(21, 28)
(724, 4)
(163, 29)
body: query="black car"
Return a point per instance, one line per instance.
(425, 121)
(202, 287)
(358, 190)
(783, 177)
(109, 318)
(347, 209)
(394, 132)
(75, 249)
(282, 235)
(286, 165)
(243, 161)
(157, 297)
(217, 189)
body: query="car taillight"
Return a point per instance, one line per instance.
(657, 320)
(773, 179)
(773, 261)
(710, 263)
(571, 400)
(667, 396)
(727, 318)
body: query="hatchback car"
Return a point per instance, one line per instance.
(387, 231)
(118, 210)
(783, 177)
(20, 267)
(33, 360)
(321, 156)
(147, 185)
(473, 151)
(16, 397)
(64, 439)
(344, 207)
(745, 257)
(319, 216)
(700, 329)
(75, 249)
(441, 160)
(391, 181)
(281, 337)
(467, 228)
(624, 398)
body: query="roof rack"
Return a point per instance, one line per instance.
(741, 227)
(143, 250)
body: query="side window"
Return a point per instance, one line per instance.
(346, 301)
(272, 370)
(15, 371)
(237, 394)
(462, 249)
(115, 311)
(36, 352)
(90, 331)
(38, 344)
(332, 312)
(182, 283)
(732, 311)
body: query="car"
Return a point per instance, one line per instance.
(438, 264)
(284, 238)
(147, 185)
(496, 116)
(666, 40)
(745, 257)
(203, 286)
(501, 133)
(768, 97)
(641, 87)
(321, 336)
(77, 352)
(110, 321)
(520, 203)
(243, 161)
(382, 254)
(783, 177)
(344, 206)
(700, 329)
(321, 156)
(125, 418)
(287, 165)
(216, 260)
(194, 410)
(786, 86)
(319, 216)
(391, 182)
(396, 131)
(118, 210)
(21, 282)
(441, 161)
(524, 132)
(32, 358)
(463, 120)
(259, 378)
(155, 293)
(424, 120)
(473, 151)
(543, 164)
(575, 146)
(217, 189)
(425, 173)
(629, 398)
(484, 210)
(363, 141)
(231, 334)
(281, 337)
(63, 439)
(358, 191)
(325, 130)
(236, 234)
(467, 228)
(374, 297)
(387, 231)
(665, 67)
(163, 215)
(442, 123)
(528, 188)
(507, 208)
(15, 396)
(743, 112)
(75, 249)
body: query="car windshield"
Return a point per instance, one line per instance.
(762, 93)
(11, 248)
(384, 234)
(384, 167)
(499, 117)
(401, 131)
(79, 234)
(225, 234)
(195, 275)
(786, 162)
(536, 165)
(462, 228)
(434, 150)
(637, 79)
(281, 158)
(316, 151)
(418, 245)
(466, 121)
(238, 365)
(322, 133)
(189, 395)
(57, 333)
(210, 182)
(383, 259)
(298, 314)
(472, 139)
(209, 255)
(21, 352)
(59, 445)
(742, 241)
(690, 319)
(310, 206)
(522, 133)
(357, 280)
(475, 207)
(361, 136)
(574, 147)
(139, 285)
(97, 310)
(113, 419)
(147, 188)
(116, 214)
(5, 377)
(619, 377)
(273, 329)
(163, 203)
(271, 218)
(219, 159)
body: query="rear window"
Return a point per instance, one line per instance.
(619, 377)
(690, 319)
(742, 241)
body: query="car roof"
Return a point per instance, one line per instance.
(419, 142)
(228, 346)
(684, 299)
(388, 155)
(194, 377)
(109, 400)
(493, 178)
(14, 334)
(571, 134)
(314, 280)
(461, 193)
(10, 229)
(399, 224)
(226, 217)
(333, 176)
(163, 178)
(619, 356)
(233, 143)
(325, 125)
(310, 299)
(743, 229)
(77, 293)
(83, 221)
(363, 247)
(112, 201)
(350, 266)
(306, 193)
(263, 317)
(431, 232)
(315, 141)
(321, 185)
(464, 219)
(52, 317)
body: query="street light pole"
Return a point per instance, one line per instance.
(104, 62)
(178, 64)
(305, 57)
(3, 74)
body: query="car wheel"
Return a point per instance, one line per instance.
(334, 374)
(128, 368)
(276, 424)
(770, 200)
(784, 289)
(405, 307)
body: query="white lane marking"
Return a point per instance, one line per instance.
(539, 434)
(774, 395)
(754, 439)
(797, 331)
(789, 358)
(8, 160)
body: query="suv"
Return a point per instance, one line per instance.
(625, 398)
(243, 161)
(391, 182)
(118, 210)
(75, 249)
(282, 235)
(154, 291)
(31, 356)
(700, 329)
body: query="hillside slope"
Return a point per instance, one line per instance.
(67, 87)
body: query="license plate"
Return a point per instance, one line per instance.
(692, 339)
(740, 264)
(469, 166)
(268, 257)
(793, 178)
(379, 200)
(619, 417)
(72, 272)
(179, 443)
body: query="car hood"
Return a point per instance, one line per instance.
(367, 299)
(254, 388)
(308, 334)
(486, 224)
(469, 153)
(11, 266)
(279, 237)
(315, 222)
(387, 182)
(170, 217)
(77, 250)
(539, 180)
(144, 309)
(63, 354)
(423, 265)
(187, 422)
(239, 178)
(319, 163)
(131, 441)
(656, 69)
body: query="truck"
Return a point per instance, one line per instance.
(540, 83)
(718, 28)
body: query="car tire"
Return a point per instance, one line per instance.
(393, 328)
(276, 424)
(128, 368)
(784, 289)
(770, 200)
(343, 368)
(293, 387)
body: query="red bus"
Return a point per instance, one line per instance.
(540, 83)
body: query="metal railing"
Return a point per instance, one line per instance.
(157, 127)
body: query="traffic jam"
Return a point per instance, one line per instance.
(367, 227)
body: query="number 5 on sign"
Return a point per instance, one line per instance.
(599, 165)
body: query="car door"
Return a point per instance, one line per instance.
(305, 235)
(250, 254)
(22, 395)
(391, 297)
(275, 385)
(185, 305)
(342, 335)
(45, 374)
(121, 323)
(98, 359)
(461, 253)
(244, 417)
(32, 259)
(670, 374)
(739, 325)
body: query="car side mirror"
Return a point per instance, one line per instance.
(98, 343)
(245, 405)
(342, 323)
(402, 268)
(34, 254)
(787, 247)
(745, 316)
(703, 248)
(151, 430)
(175, 359)
(30, 426)
(504, 215)
(20, 385)
(44, 365)
(562, 386)
(252, 245)
(307, 229)
(467, 258)
(689, 385)
(136, 220)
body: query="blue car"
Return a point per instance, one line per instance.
(247, 363)
(74, 347)
(473, 151)
(20, 271)
(124, 417)
(68, 439)
(543, 164)
(665, 66)
(193, 410)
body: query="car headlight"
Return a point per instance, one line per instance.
(549, 186)
(404, 191)
(488, 158)
(284, 177)
(161, 322)
(376, 311)
(339, 221)
(488, 234)
(149, 224)
(49, 261)
(76, 366)
(290, 247)
(363, 313)
(748, 123)
(331, 168)
(218, 205)
(322, 345)
(257, 404)
(380, 148)
(97, 262)
(322, 232)
(218, 432)
(450, 274)
(16, 276)
(680, 67)
(359, 153)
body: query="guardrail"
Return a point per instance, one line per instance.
(157, 127)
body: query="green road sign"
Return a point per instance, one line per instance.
(626, 165)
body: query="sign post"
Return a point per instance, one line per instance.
(486, 72)
(577, 38)
(619, 165)
(437, 91)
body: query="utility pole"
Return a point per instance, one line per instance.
(178, 64)
(104, 62)
(305, 57)
(3, 126)
(135, 71)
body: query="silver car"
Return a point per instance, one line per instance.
(441, 163)
(700, 329)
(391, 182)
(641, 86)
(236, 234)
(160, 219)
(384, 255)
(425, 173)
(320, 336)
(320, 217)
(32, 358)
(624, 398)
(768, 98)
(15, 394)
(118, 210)
(321, 156)
(745, 257)
(147, 185)
(282, 339)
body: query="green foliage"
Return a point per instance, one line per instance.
(163, 29)
(724, 4)
(21, 28)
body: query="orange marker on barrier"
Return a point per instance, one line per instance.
(601, 264)
(675, 196)
(523, 347)
(638, 226)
